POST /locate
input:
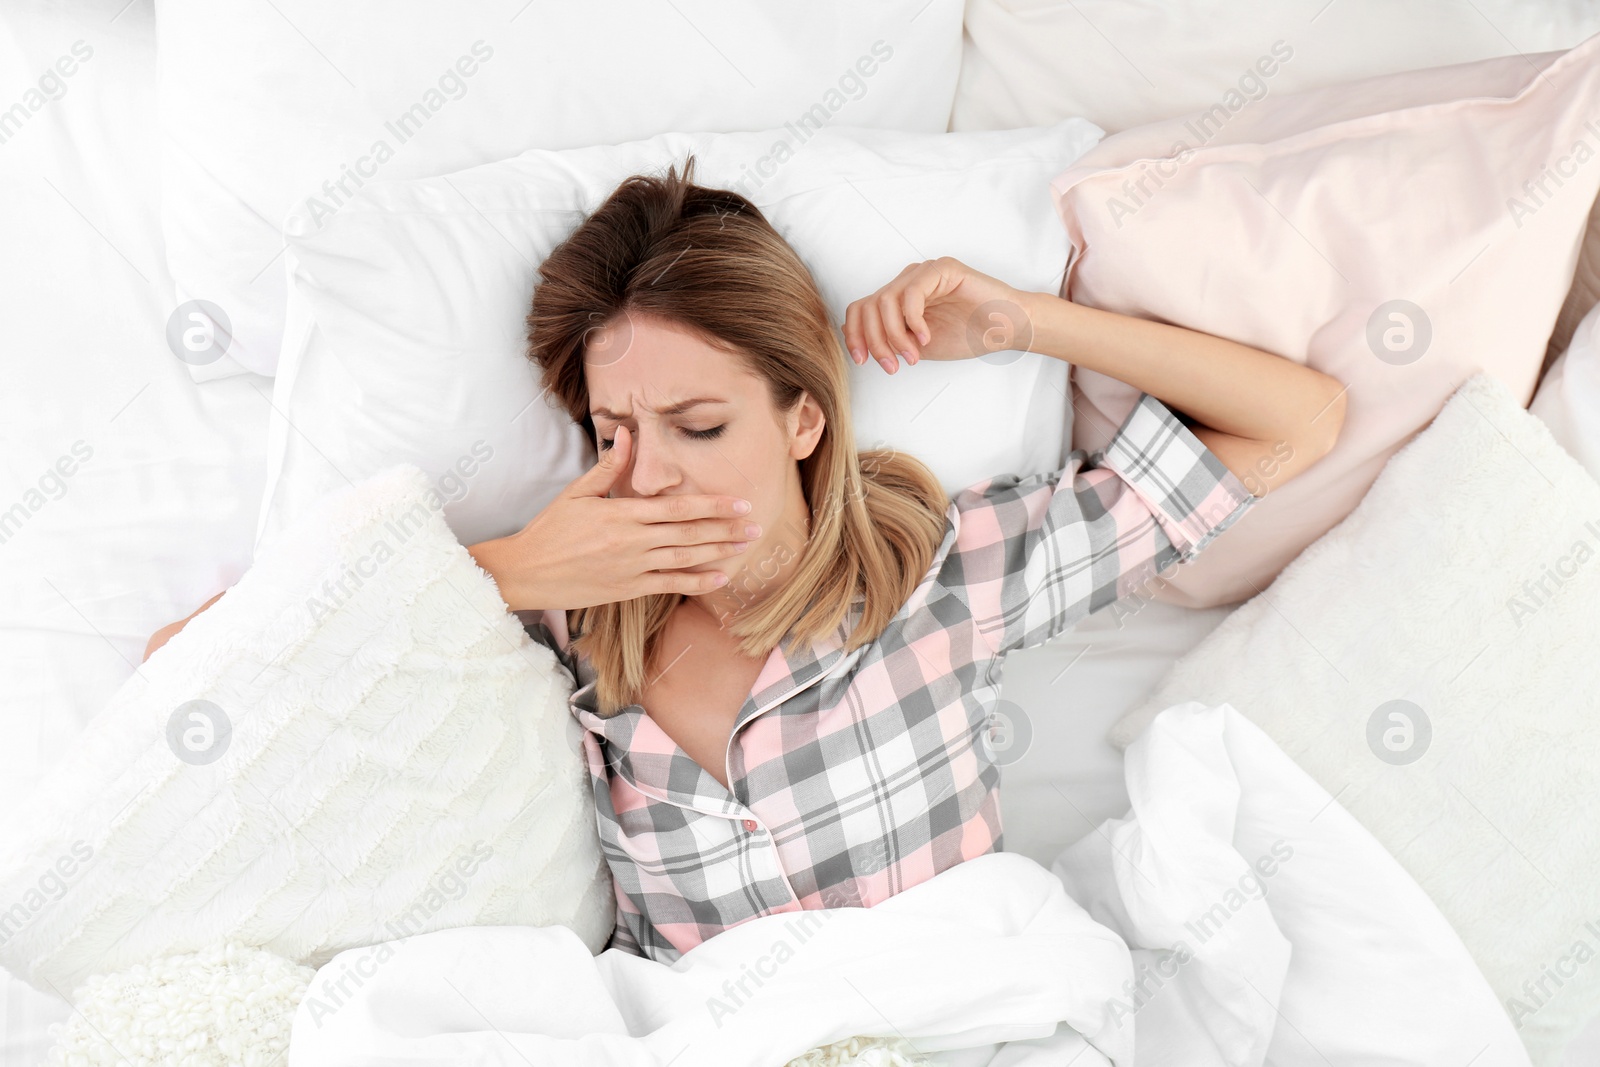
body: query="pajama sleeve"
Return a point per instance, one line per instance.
(1034, 555)
(549, 628)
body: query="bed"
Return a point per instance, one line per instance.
(170, 461)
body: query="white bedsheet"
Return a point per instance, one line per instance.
(161, 515)
(1064, 778)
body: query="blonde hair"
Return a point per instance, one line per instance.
(877, 516)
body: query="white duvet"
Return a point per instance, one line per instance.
(992, 951)
(1266, 926)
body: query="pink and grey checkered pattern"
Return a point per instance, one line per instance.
(854, 777)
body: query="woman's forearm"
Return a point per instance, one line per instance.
(1230, 387)
(495, 559)
(172, 629)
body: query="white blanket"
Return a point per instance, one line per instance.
(996, 962)
(1269, 925)
(990, 951)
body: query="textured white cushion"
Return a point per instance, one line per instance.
(1430, 662)
(407, 309)
(293, 105)
(384, 753)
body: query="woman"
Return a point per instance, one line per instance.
(795, 715)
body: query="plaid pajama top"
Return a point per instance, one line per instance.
(854, 777)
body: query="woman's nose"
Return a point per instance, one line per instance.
(653, 468)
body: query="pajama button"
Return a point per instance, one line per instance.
(749, 824)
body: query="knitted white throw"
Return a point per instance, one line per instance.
(357, 743)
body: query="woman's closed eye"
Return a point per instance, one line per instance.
(697, 435)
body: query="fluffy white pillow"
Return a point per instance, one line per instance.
(407, 309)
(1430, 662)
(293, 105)
(356, 743)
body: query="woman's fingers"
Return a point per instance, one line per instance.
(917, 285)
(894, 320)
(674, 543)
(852, 332)
(687, 583)
(913, 305)
(677, 557)
(908, 282)
(699, 532)
(891, 311)
(654, 510)
(878, 345)
(863, 335)
(687, 519)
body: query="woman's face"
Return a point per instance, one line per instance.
(702, 423)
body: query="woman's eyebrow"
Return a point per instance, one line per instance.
(676, 409)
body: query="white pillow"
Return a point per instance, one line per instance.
(1568, 399)
(1430, 661)
(1257, 905)
(408, 308)
(356, 743)
(268, 108)
(1123, 63)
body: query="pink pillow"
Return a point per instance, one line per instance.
(1390, 232)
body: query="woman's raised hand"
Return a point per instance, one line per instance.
(586, 548)
(939, 309)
